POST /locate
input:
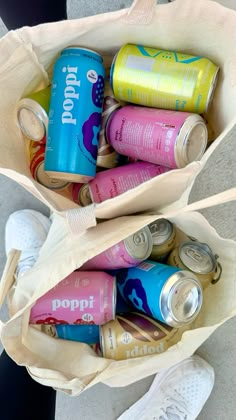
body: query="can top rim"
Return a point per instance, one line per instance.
(114, 300)
(101, 340)
(37, 110)
(177, 310)
(159, 238)
(75, 47)
(212, 88)
(200, 246)
(85, 196)
(185, 140)
(145, 249)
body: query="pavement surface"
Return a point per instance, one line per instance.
(102, 402)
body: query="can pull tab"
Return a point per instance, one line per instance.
(159, 228)
(194, 255)
(139, 238)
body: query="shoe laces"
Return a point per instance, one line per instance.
(175, 408)
(27, 260)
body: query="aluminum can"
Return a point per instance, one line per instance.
(198, 258)
(32, 114)
(121, 305)
(127, 253)
(168, 138)
(163, 79)
(107, 156)
(88, 334)
(164, 237)
(181, 237)
(166, 293)
(36, 153)
(75, 115)
(135, 335)
(116, 181)
(81, 194)
(81, 298)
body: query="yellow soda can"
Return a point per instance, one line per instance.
(163, 79)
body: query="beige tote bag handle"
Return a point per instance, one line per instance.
(214, 200)
(85, 217)
(8, 274)
(141, 12)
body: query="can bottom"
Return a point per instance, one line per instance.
(67, 176)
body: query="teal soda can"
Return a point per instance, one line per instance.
(121, 304)
(163, 292)
(75, 115)
(88, 334)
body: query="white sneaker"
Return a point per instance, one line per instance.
(178, 393)
(26, 230)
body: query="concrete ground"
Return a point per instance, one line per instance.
(102, 402)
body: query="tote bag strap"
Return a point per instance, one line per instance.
(141, 12)
(83, 218)
(8, 274)
(214, 200)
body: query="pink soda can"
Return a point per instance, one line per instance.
(116, 181)
(127, 253)
(81, 298)
(169, 138)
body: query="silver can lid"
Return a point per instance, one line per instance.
(191, 141)
(161, 230)
(84, 195)
(51, 183)
(181, 299)
(32, 119)
(197, 257)
(139, 245)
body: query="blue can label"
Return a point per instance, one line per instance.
(75, 113)
(142, 286)
(88, 334)
(121, 304)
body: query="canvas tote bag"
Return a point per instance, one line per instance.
(73, 367)
(27, 56)
(29, 53)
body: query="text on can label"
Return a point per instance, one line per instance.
(70, 94)
(73, 304)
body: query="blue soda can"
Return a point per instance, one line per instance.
(75, 115)
(121, 305)
(88, 334)
(163, 292)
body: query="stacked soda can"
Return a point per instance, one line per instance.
(98, 126)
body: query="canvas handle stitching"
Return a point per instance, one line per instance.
(81, 219)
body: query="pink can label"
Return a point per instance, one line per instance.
(146, 133)
(113, 182)
(81, 298)
(113, 258)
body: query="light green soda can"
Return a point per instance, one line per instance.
(32, 114)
